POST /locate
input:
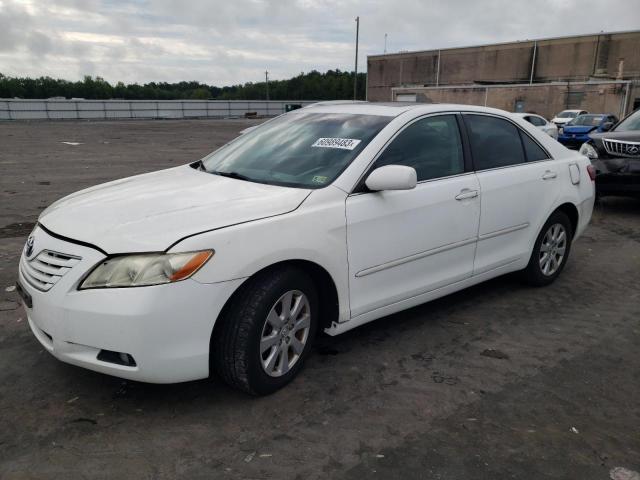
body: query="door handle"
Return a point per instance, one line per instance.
(466, 193)
(548, 175)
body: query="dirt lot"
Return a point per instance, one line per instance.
(498, 381)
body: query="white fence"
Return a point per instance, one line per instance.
(17, 109)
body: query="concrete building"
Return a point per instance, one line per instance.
(599, 73)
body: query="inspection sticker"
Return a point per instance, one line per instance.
(319, 179)
(342, 143)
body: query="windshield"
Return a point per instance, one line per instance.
(567, 114)
(306, 150)
(631, 123)
(587, 120)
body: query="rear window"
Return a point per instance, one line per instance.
(537, 121)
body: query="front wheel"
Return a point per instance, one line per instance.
(551, 251)
(267, 331)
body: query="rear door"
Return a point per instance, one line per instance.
(405, 243)
(518, 187)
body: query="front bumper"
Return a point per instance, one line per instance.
(165, 328)
(573, 140)
(617, 176)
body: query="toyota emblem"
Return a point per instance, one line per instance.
(29, 246)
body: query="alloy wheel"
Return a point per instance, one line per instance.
(285, 333)
(552, 249)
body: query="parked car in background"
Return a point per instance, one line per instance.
(576, 132)
(323, 218)
(616, 157)
(566, 116)
(542, 123)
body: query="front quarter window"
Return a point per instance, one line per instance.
(304, 150)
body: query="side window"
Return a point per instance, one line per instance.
(494, 142)
(537, 121)
(431, 145)
(532, 149)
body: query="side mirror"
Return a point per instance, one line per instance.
(392, 177)
(606, 126)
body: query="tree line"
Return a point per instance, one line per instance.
(331, 85)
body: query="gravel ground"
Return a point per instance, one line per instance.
(497, 381)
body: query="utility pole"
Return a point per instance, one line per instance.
(355, 78)
(385, 43)
(533, 61)
(266, 79)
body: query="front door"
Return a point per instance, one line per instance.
(405, 243)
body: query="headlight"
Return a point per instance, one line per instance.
(560, 130)
(145, 269)
(587, 150)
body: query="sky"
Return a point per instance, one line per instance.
(235, 41)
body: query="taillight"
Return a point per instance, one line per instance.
(592, 172)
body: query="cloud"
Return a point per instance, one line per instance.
(15, 22)
(39, 44)
(222, 42)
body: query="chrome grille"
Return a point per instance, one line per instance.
(620, 148)
(45, 269)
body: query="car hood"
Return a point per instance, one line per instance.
(151, 212)
(579, 128)
(629, 136)
(561, 120)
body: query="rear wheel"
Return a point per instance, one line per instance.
(551, 250)
(267, 331)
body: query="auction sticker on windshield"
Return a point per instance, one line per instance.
(343, 143)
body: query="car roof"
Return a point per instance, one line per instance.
(388, 109)
(525, 114)
(393, 109)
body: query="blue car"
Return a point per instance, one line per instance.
(576, 132)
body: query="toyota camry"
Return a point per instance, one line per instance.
(321, 219)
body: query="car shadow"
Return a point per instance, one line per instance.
(622, 205)
(108, 392)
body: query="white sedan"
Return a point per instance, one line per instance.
(566, 116)
(542, 123)
(324, 218)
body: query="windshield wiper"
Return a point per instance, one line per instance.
(236, 175)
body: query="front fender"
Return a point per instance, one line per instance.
(315, 232)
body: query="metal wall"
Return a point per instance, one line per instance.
(575, 59)
(545, 99)
(17, 109)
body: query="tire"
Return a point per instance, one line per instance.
(254, 321)
(542, 270)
